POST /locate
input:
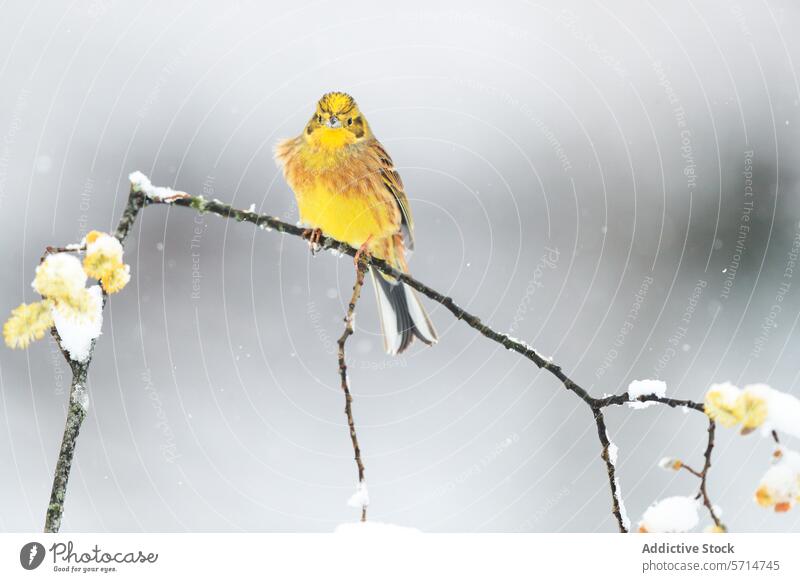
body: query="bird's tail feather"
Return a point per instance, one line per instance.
(402, 316)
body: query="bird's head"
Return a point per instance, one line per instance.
(336, 122)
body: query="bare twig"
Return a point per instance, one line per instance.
(704, 476)
(361, 269)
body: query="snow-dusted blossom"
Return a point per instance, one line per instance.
(757, 405)
(28, 323)
(781, 411)
(779, 488)
(103, 261)
(103, 254)
(60, 277)
(74, 309)
(754, 410)
(114, 281)
(722, 404)
(673, 514)
(670, 464)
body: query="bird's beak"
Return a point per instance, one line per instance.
(333, 122)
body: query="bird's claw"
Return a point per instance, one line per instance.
(362, 250)
(313, 236)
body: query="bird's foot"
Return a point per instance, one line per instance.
(362, 251)
(313, 236)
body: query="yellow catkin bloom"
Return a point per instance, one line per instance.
(92, 236)
(60, 276)
(764, 497)
(714, 529)
(28, 323)
(76, 306)
(723, 404)
(754, 411)
(115, 280)
(103, 254)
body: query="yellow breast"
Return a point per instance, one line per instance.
(351, 216)
(339, 190)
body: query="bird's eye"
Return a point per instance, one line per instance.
(350, 121)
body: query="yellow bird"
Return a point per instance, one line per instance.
(346, 186)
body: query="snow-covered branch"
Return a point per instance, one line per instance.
(756, 406)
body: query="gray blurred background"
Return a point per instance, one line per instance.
(578, 172)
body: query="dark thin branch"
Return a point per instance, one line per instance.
(199, 204)
(712, 426)
(694, 472)
(76, 413)
(620, 399)
(361, 269)
(139, 198)
(703, 476)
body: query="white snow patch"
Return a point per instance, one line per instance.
(670, 515)
(364, 528)
(783, 478)
(80, 396)
(159, 193)
(361, 497)
(639, 388)
(613, 451)
(77, 333)
(666, 463)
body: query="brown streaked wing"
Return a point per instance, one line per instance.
(393, 183)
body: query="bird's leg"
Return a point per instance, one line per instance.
(313, 236)
(362, 250)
